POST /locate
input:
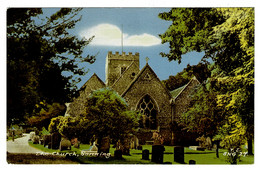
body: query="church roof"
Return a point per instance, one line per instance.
(94, 76)
(127, 69)
(175, 93)
(139, 74)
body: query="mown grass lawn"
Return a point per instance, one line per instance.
(135, 157)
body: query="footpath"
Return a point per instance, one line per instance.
(20, 145)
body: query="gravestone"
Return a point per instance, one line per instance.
(118, 154)
(192, 162)
(76, 145)
(179, 154)
(105, 145)
(65, 144)
(126, 147)
(41, 141)
(32, 134)
(157, 153)
(46, 140)
(55, 140)
(145, 154)
(35, 139)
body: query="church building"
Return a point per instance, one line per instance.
(143, 91)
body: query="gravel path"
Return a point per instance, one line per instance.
(20, 145)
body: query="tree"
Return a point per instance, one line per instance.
(107, 115)
(203, 116)
(200, 71)
(38, 51)
(44, 114)
(226, 35)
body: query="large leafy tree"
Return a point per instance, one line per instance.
(38, 51)
(108, 115)
(226, 35)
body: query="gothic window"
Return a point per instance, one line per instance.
(148, 110)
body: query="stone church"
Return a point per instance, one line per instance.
(143, 91)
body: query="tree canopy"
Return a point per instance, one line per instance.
(226, 35)
(201, 72)
(106, 115)
(37, 54)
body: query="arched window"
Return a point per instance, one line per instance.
(148, 109)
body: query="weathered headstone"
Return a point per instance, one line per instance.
(126, 147)
(46, 140)
(65, 144)
(157, 153)
(55, 140)
(105, 145)
(32, 134)
(145, 154)
(179, 154)
(139, 147)
(94, 147)
(118, 154)
(76, 145)
(35, 139)
(192, 162)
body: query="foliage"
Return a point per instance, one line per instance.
(203, 116)
(190, 30)
(44, 113)
(44, 132)
(71, 127)
(54, 124)
(39, 49)
(200, 71)
(233, 133)
(226, 35)
(107, 115)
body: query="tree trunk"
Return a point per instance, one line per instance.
(250, 146)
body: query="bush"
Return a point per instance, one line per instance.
(44, 132)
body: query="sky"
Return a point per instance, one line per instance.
(130, 29)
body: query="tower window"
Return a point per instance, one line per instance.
(122, 69)
(133, 75)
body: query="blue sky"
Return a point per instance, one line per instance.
(141, 27)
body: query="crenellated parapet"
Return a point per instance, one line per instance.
(117, 63)
(123, 56)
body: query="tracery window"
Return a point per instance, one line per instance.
(148, 110)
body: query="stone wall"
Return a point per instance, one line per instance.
(114, 63)
(126, 78)
(77, 107)
(183, 100)
(147, 83)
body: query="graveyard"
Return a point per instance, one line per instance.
(135, 157)
(131, 106)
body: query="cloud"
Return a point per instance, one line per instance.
(110, 35)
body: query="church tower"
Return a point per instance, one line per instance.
(116, 65)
